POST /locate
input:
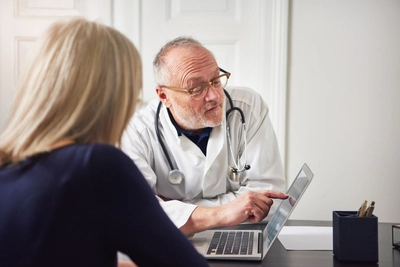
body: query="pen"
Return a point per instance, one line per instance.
(361, 211)
(370, 209)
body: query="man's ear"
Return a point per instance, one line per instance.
(162, 96)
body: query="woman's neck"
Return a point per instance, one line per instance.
(61, 143)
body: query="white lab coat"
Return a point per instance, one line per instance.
(206, 180)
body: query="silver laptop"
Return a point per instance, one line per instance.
(246, 242)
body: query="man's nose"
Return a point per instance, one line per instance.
(212, 93)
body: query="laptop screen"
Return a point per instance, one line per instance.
(286, 207)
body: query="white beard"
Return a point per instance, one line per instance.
(189, 119)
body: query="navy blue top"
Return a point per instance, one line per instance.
(80, 204)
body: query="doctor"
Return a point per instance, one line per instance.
(210, 155)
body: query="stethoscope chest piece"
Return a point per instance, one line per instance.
(176, 177)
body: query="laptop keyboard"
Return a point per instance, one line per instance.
(232, 243)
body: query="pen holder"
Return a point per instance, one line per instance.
(396, 235)
(355, 238)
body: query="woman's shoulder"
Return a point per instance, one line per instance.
(96, 160)
(92, 154)
(87, 149)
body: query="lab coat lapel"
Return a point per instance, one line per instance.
(169, 132)
(214, 180)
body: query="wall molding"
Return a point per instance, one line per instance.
(279, 65)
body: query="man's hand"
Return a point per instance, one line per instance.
(250, 206)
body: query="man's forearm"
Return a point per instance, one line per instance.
(202, 218)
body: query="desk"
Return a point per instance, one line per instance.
(277, 256)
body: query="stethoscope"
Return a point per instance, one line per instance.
(176, 177)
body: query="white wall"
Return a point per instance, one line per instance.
(344, 105)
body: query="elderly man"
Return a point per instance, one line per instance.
(209, 154)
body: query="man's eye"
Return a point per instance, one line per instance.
(217, 83)
(197, 90)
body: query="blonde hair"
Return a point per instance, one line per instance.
(83, 84)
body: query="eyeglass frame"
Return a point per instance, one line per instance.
(190, 90)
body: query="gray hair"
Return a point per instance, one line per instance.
(161, 73)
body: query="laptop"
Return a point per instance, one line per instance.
(251, 241)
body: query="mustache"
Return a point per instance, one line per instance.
(212, 104)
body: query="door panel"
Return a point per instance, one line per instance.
(22, 22)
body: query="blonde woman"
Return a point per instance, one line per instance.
(68, 195)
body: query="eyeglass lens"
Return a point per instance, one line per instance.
(218, 83)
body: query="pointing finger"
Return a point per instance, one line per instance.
(275, 194)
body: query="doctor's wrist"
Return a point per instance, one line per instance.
(201, 219)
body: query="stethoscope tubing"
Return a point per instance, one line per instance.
(235, 170)
(156, 124)
(175, 176)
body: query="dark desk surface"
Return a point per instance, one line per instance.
(277, 256)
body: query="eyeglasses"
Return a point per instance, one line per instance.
(200, 90)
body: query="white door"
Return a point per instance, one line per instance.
(21, 22)
(234, 30)
(248, 38)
